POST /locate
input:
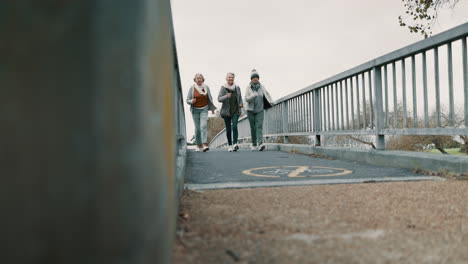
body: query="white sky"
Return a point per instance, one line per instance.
(292, 44)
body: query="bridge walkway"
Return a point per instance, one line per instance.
(218, 169)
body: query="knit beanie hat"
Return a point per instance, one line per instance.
(254, 74)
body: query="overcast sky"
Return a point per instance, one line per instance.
(292, 44)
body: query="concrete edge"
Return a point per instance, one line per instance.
(265, 184)
(386, 158)
(181, 159)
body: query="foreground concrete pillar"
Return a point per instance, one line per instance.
(87, 131)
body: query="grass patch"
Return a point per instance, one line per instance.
(452, 151)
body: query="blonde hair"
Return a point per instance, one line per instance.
(198, 74)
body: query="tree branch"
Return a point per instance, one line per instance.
(362, 141)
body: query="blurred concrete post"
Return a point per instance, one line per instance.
(379, 113)
(88, 131)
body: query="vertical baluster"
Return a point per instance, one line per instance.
(437, 84)
(307, 109)
(395, 102)
(347, 103)
(465, 78)
(302, 112)
(309, 117)
(332, 88)
(294, 115)
(358, 103)
(298, 125)
(328, 109)
(317, 115)
(352, 100)
(275, 119)
(387, 112)
(337, 114)
(364, 103)
(450, 79)
(403, 83)
(306, 115)
(299, 106)
(289, 114)
(415, 102)
(297, 114)
(318, 107)
(371, 101)
(279, 116)
(341, 105)
(426, 106)
(285, 120)
(312, 111)
(323, 108)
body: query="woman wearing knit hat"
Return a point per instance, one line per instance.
(258, 99)
(200, 101)
(231, 99)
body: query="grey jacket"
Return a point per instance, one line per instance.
(211, 106)
(222, 98)
(250, 99)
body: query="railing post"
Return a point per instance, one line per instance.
(284, 121)
(379, 115)
(317, 120)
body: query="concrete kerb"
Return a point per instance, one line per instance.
(387, 158)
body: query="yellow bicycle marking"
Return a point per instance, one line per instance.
(295, 173)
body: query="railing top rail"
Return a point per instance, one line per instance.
(420, 46)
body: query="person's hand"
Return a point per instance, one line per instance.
(228, 95)
(255, 94)
(241, 105)
(212, 112)
(194, 100)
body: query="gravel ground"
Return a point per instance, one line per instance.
(404, 222)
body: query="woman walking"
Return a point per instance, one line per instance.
(258, 99)
(200, 101)
(231, 99)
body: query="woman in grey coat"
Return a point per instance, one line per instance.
(258, 99)
(231, 99)
(200, 101)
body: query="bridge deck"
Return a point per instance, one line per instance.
(217, 169)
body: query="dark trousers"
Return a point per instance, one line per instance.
(256, 126)
(227, 122)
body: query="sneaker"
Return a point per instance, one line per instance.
(261, 148)
(253, 148)
(230, 148)
(236, 147)
(197, 149)
(206, 148)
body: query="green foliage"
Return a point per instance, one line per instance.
(422, 14)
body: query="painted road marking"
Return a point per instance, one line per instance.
(295, 171)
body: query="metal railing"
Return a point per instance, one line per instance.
(374, 99)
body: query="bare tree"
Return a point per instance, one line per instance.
(422, 14)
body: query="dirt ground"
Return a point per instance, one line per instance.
(404, 222)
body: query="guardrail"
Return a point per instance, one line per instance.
(372, 98)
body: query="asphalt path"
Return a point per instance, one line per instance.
(217, 169)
